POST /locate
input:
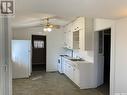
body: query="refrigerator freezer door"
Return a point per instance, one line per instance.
(21, 58)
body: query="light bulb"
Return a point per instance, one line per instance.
(45, 29)
(49, 29)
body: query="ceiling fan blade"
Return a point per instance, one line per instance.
(57, 26)
(55, 17)
(51, 26)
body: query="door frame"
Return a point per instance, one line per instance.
(112, 56)
(100, 59)
(6, 24)
(31, 51)
(97, 56)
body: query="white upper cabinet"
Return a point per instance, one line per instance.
(68, 37)
(79, 34)
(78, 24)
(89, 33)
(76, 39)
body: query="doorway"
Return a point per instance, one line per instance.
(38, 53)
(107, 47)
(104, 50)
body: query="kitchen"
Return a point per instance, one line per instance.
(110, 26)
(72, 54)
(79, 39)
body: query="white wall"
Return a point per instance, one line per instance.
(54, 43)
(25, 33)
(54, 49)
(101, 24)
(87, 55)
(118, 80)
(120, 56)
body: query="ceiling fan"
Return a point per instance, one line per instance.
(47, 25)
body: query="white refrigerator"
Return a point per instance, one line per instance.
(21, 58)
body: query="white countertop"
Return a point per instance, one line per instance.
(67, 57)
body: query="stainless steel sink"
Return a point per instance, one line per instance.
(77, 59)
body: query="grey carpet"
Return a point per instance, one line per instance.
(41, 83)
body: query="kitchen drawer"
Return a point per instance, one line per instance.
(75, 65)
(69, 62)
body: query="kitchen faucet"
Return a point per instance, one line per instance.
(72, 53)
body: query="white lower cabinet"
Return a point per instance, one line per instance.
(76, 76)
(65, 68)
(80, 73)
(70, 72)
(68, 69)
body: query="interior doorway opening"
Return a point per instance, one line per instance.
(104, 58)
(38, 53)
(107, 50)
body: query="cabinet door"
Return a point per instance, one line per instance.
(89, 33)
(78, 24)
(76, 40)
(76, 76)
(69, 39)
(66, 67)
(81, 39)
(70, 68)
(65, 39)
(59, 66)
(67, 70)
(63, 64)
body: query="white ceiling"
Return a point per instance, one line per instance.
(35, 20)
(28, 10)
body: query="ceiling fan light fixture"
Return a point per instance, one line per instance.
(47, 29)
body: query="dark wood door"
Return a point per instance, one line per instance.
(38, 50)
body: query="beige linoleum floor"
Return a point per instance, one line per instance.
(41, 83)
